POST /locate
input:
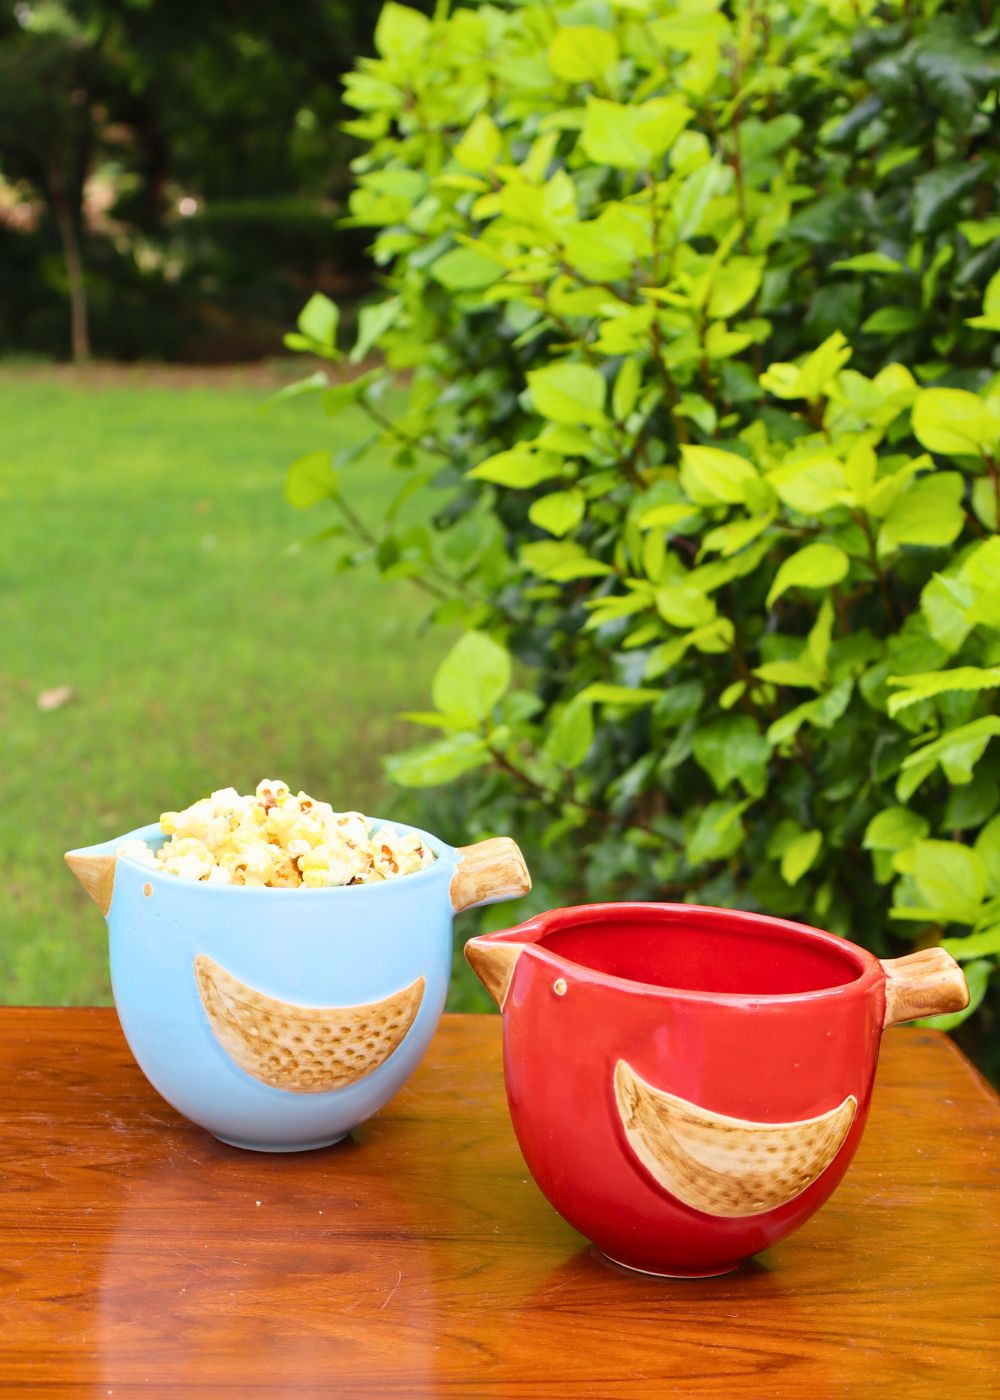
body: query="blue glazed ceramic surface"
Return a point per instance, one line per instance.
(308, 948)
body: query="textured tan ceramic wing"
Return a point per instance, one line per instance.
(304, 1049)
(725, 1166)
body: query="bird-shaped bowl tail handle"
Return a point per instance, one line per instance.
(927, 983)
(487, 873)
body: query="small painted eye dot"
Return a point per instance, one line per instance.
(559, 986)
(147, 888)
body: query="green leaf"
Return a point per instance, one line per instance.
(953, 422)
(822, 712)
(694, 29)
(699, 411)
(310, 479)
(869, 262)
(819, 368)
(309, 385)
(465, 270)
(709, 577)
(717, 833)
(432, 719)
(812, 378)
(735, 283)
(689, 206)
(951, 878)
(945, 603)
(794, 673)
(519, 468)
(348, 392)
(559, 512)
(565, 571)
(729, 539)
(979, 232)
(571, 735)
(929, 512)
(691, 151)
(710, 475)
(895, 157)
(632, 137)
(924, 685)
(981, 573)
(799, 855)
(733, 750)
(440, 761)
(815, 566)
(675, 514)
(683, 605)
(892, 320)
(569, 393)
(400, 31)
(984, 502)
(626, 390)
(480, 147)
(987, 847)
(472, 677)
(975, 945)
(602, 694)
(990, 319)
(818, 641)
(970, 804)
(936, 193)
(318, 320)
(609, 135)
(811, 483)
(957, 751)
(893, 829)
(373, 322)
(582, 54)
(723, 344)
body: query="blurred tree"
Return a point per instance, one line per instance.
(47, 136)
(225, 110)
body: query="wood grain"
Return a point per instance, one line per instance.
(139, 1254)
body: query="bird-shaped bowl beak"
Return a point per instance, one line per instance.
(94, 867)
(494, 956)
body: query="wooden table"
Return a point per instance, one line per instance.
(420, 1259)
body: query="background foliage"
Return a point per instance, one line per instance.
(186, 157)
(696, 306)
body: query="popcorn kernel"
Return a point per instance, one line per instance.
(274, 839)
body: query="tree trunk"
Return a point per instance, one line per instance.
(79, 334)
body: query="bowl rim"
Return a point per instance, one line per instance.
(447, 858)
(868, 969)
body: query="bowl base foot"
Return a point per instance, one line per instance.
(663, 1273)
(280, 1147)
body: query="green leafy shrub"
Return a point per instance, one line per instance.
(694, 312)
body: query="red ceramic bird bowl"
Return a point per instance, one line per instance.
(689, 1085)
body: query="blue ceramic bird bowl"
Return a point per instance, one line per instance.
(280, 1019)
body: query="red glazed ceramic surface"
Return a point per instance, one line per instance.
(688, 1085)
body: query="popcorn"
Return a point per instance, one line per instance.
(187, 857)
(138, 850)
(277, 840)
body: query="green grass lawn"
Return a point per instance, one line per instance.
(148, 560)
